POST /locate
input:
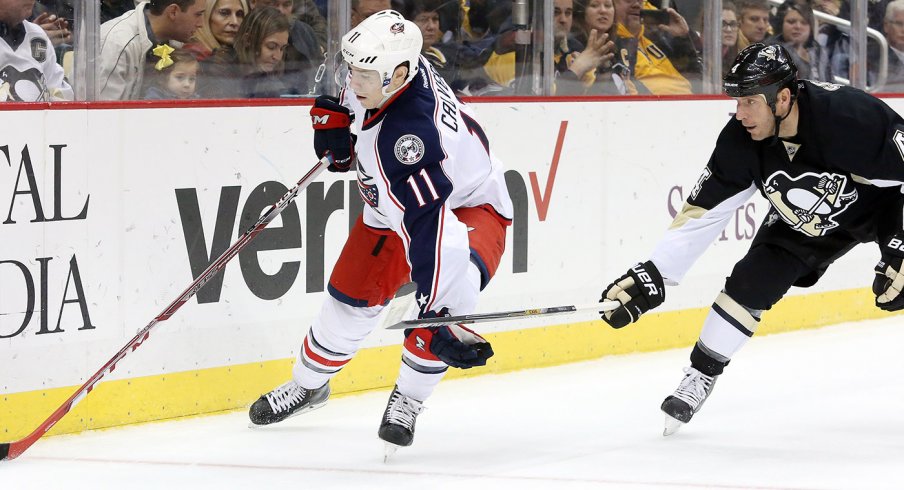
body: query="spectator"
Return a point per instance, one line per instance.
(490, 23)
(28, 67)
(893, 28)
(575, 66)
(221, 23)
(753, 22)
(362, 9)
(304, 54)
(729, 35)
(459, 63)
(308, 12)
(53, 16)
(831, 7)
(483, 58)
(111, 9)
(662, 57)
(426, 15)
(796, 35)
(836, 41)
(126, 41)
(253, 66)
(173, 74)
(595, 31)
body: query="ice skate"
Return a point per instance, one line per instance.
(397, 428)
(680, 406)
(286, 401)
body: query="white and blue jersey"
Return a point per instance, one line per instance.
(421, 155)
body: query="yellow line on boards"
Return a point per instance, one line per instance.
(219, 389)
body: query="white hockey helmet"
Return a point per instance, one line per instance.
(382, 42)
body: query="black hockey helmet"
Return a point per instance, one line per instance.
(761, 69)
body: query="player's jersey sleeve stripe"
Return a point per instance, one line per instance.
(876, 182)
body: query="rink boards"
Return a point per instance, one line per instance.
(109, 212)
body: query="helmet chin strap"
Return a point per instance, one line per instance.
(388, 95)
(778, 120)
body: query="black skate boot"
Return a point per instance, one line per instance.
(680, 406)
(397, 428)
(285, 401)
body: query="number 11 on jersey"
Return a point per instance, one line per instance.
(417, 191)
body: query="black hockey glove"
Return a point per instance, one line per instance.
(889, 281)
(453, 344)
(332, 132)
(639, 291)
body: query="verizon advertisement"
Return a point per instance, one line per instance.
(107, 215)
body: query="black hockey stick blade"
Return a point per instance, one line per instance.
(607, 305)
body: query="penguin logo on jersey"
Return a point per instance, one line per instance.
(22, 86)
(810, 201)
(409, 149)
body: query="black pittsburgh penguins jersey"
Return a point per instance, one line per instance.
(844, 167)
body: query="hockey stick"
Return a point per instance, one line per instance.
(11, 450)
(815, 206)
(607, 305)
(401, 307)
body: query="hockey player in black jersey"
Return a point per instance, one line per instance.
(830, 160)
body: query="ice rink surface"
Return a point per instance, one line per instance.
(819, 409)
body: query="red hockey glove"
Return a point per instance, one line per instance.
(639, 291)
(889, 281)
(332, 132)
(453, 344)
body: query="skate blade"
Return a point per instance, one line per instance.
(672, 425)
(252, 425)
(388, 451)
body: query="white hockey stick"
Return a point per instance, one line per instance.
(607, 305)
(11, 450)
(401, 307)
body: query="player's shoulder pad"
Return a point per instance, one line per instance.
(830, 100)
(846, 111)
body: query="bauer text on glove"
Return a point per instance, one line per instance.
(889, 280)
(640, 290)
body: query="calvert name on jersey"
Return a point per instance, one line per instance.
(828, 183)
(421, 155)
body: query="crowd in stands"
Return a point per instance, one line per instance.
(154, 49)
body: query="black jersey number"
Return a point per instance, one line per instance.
(475, 129)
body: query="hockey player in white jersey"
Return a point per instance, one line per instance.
(829, 159)
(437, 212)
(29, 71)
